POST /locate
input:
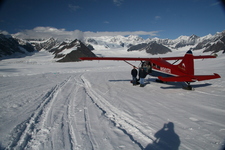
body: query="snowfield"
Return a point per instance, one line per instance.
(92, 105)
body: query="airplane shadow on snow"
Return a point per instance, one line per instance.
(168, 85)
(179, 85)
(9, 70)
(176, 85)
(119, 80)
(166, 139)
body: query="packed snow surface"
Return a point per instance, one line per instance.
(92, 105)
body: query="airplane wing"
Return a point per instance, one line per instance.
(142, 59)
(194, 57)
(116, 58)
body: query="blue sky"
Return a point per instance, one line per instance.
(146, 18)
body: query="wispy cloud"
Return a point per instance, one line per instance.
(157, 17)
(62, 34)
(106, 22)
(215, 4)
(73, 7)
(123, 33)
(47, 32)
(118, 2)
(4, 32)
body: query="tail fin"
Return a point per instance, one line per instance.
(187, 64)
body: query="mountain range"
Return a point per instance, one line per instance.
(71, 49)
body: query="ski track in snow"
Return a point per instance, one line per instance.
(36, 131)
(31, 130)
(120, 119)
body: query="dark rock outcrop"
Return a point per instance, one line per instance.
(45, 44)
(10, 46)
(156, 48)
(152, 48)
(76, 50)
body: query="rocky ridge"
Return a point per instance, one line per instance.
(72, 49)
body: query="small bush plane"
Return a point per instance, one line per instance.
(165, 71)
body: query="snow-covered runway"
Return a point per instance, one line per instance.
(92, 105)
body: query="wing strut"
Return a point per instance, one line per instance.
(130, 64)
(176, 61)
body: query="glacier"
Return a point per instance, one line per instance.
(93, 105)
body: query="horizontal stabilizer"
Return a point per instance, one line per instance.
(206, 77)
(189, 78)
(176, 79)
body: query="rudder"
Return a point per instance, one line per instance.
(187, 64)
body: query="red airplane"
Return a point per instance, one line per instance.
(165, 71)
